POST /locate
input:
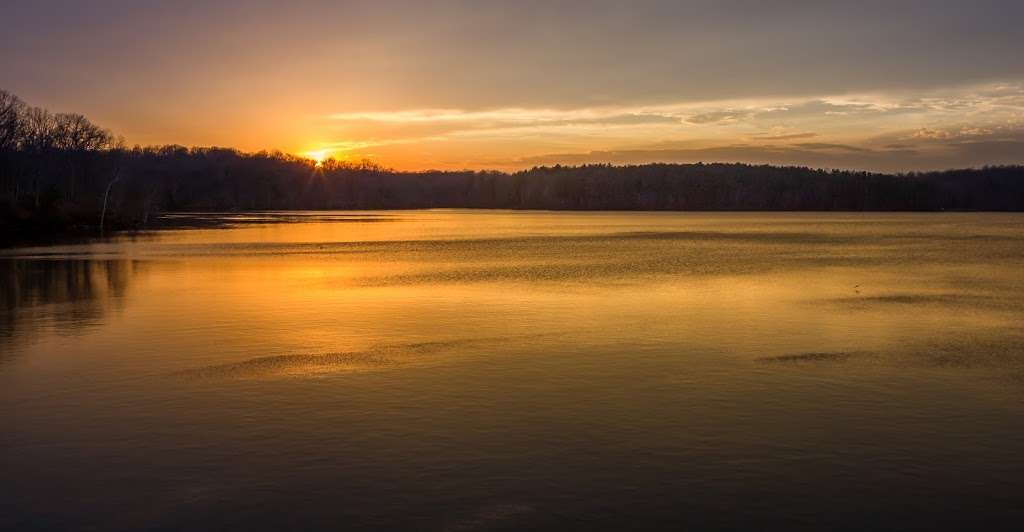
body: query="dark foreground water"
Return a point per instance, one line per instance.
(443, 370)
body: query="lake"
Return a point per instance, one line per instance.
(499, 370)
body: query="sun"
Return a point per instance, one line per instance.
(318, 156)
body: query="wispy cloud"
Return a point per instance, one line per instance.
(950, 149)
(509, 116)
(874, 130)
(724, 115)
(785, 136)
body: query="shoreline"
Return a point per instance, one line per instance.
(22, 233)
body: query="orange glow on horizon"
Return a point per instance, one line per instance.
(318, 156)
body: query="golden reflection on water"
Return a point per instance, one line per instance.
(685, 335)
(751, 285)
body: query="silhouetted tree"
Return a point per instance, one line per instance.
(60, 170)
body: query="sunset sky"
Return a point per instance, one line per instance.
(506, 85)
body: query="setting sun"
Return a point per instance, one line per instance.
(318, 156)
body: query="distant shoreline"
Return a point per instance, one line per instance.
(20, 235)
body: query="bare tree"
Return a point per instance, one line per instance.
(78, 140)
(12, 111)
(40, 130)
(74, 132)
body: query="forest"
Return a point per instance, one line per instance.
(59, 172)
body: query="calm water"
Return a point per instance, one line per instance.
(446, 370)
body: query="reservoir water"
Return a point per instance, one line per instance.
(496, 370)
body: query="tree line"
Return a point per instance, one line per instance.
(59, 171)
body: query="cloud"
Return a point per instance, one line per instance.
(512, 121)
(789, 136)
(870, 131)
(824, 146)
(929, 153)
(725, 115)
(508, 116)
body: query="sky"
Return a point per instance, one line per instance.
(889, 86)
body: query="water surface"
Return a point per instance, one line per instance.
(461, 370)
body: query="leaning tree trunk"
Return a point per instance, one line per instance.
(106, 194)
